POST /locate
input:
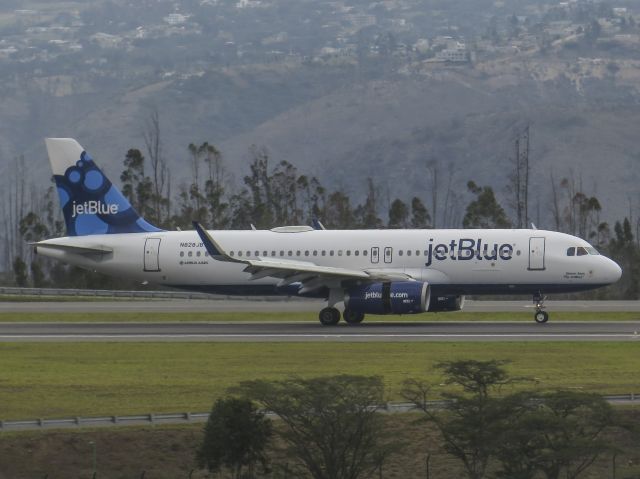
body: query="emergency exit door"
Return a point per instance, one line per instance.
(152, 254)
(375, 255)
(536, 254)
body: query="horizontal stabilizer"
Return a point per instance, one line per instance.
(77, 249)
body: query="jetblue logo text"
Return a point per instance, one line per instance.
(93, 208)
(467, 249)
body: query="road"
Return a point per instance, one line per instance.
(286, 305)
(310, 331)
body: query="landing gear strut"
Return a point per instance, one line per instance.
(541, 316)
(329, 316)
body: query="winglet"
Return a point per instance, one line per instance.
(212, 247)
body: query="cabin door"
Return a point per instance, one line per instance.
(536, 254)
(152, 254)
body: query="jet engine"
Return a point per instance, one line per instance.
(402, 297)
(445, 303)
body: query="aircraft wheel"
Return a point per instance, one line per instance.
(352, 317)
(541, 317)
(329, 316)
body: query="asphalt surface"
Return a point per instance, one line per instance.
(285, 305)
(308, 331)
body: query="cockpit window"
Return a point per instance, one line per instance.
(580, 251)
(592, 251)
(571, 251)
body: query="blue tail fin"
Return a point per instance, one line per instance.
(90, 203)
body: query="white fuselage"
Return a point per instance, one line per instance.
(451, 261)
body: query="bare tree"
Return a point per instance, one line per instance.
(519, 178)
(153, 145)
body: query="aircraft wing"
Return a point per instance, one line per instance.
(309, 274)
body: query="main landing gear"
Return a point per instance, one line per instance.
(331, 316)
(541, 316)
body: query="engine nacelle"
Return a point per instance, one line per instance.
(403, 297)
(445, 303)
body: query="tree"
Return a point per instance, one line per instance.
(568, 427)
(624, 250)
(470, 422)
(398, 214)
(338, 211)
(367, 213)
(137, 187)
(420, 217)
(484, 211)
(37, 275)
(331, 424)
(519, 179)
(235, 437)
(20, 272)
(160, 173)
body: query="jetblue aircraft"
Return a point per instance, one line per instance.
(360, 271)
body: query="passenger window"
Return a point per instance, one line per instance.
(273, 253)
(417, 252)
(231, 253)
(364, 252)
(264, 253)
(298, 253)
(289, 253)
(257, 253)
(239, 253)
(408, 252)
(182, 254)
(426, 253)
(281, 253)
(315, 252)
(571, 251)
(306, 253)
(331, 253)
(357, 252)
(339, 252)
(348, 252)
(248, 253)
(198, 253)
(324, 253)
(580, 251)
(400, 252)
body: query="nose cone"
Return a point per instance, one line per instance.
(612, 272)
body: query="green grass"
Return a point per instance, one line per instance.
(125, 317)
(67, 379)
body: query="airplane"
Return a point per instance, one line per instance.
(375, 272)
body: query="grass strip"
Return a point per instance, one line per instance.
(177, 317)
(67, 379)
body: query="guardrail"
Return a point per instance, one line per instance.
(197, 417)
(107, 293)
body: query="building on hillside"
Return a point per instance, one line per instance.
(454, 53)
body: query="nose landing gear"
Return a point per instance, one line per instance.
(540, 316)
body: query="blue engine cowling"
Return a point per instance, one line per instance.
(445, 303)
(403, 297)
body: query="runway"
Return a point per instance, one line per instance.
(283, 305)
(307, 331)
